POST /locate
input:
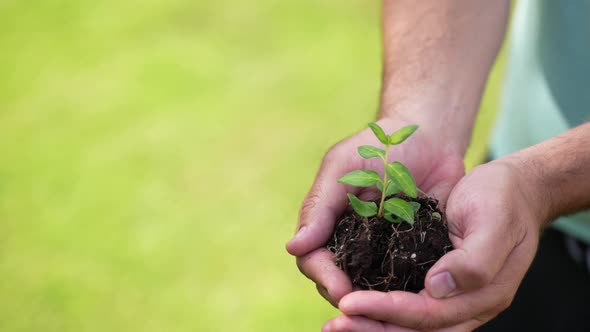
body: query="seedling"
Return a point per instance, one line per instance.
(363, 238)
(396, 179)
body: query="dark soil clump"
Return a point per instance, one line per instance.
(380, 255)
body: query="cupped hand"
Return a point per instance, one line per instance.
(435, 166)
(494, 216)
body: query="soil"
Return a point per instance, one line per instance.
(380, 255)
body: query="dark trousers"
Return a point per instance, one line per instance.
(554, 295)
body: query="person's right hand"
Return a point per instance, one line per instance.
(436, 166)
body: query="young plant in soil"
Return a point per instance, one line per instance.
(392, 244)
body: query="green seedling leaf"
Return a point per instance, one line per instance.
(380, 186)
(378, 131)
(367, 151)
(402, 177)
(391, 188)
(391, 218)
(402, 134)
(400, 208)
(436, 215)
(416, 206)
(365, 209)
(361, 178)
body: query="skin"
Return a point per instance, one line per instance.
(437, 55)
(500, 209)
(436, 170)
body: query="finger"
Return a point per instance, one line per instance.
(420, 311)
(465, 327)
(323, 204)
(324, 293)
(423, 312)
(472, 266)
(345, 323)
(319, 266)
(386, 307)
(476, 260)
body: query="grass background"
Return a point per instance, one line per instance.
(153, 156)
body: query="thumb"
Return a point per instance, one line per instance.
(323, 204)
(474, 263)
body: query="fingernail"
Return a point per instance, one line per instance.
(300, 232)
(441, 285)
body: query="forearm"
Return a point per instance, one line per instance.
(437, 55)
(556, 172)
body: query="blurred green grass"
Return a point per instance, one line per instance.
(153, 156)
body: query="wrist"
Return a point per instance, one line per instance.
(528, 173)
(435, 125)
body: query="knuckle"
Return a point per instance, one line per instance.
(301, 263)
(466, 204)
(505, 303)
(317, 192)
(310, 202)
(336, 154)
(421, 325)
(324, 293)
(477, 274)
(426, 323)
(341, 325)
(481, 320)
(426, 320)
(315, 265)
(336, 150)
(331, 155)
(495, 311)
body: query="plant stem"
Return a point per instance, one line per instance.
(384, 186)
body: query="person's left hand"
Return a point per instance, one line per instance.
(494, 216)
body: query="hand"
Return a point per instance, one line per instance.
(494, 215)
(436, 169)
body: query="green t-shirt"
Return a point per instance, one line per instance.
(547, 85)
